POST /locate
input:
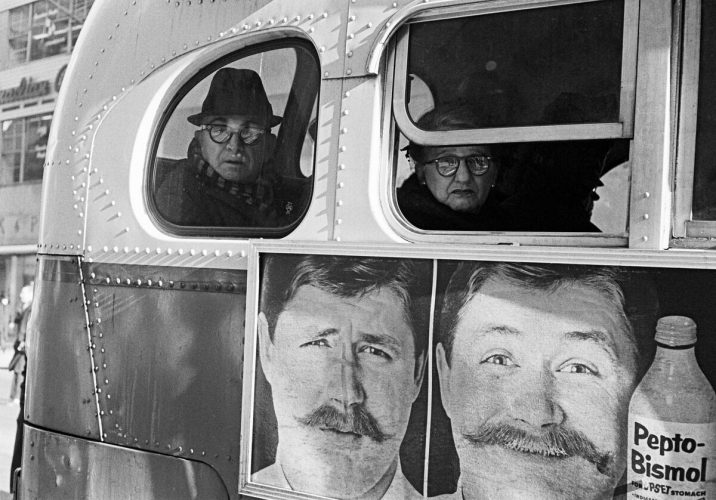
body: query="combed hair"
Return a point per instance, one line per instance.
(348, 277)
(447, 118)
(637, 319)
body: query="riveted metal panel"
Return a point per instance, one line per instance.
(59, 386)
(167, 344)
(119, 228)
(123, 44)
(64, 467)
(359, 218)
(371, 23)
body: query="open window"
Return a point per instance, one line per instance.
(695, 204)
(234, 156)
(550, 87)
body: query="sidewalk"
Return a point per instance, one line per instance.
(8, 416)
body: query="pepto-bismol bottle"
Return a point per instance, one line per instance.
(672, 421)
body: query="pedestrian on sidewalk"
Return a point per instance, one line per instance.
(18, 389)
(17, 363)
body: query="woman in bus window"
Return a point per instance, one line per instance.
(454, 187)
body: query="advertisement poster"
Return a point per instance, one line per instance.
(382, 377)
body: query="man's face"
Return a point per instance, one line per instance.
(233, 160)
(343, 377)
(463, 191)
(537, 391)
(26, 295)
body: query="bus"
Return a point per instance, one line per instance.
(426, 256)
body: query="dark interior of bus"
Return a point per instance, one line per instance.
(533, 67)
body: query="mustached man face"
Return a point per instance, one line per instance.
(343, 377)
(537, 391)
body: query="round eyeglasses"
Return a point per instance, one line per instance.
(221, 134)
(477, 164)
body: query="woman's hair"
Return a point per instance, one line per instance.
(445, 118)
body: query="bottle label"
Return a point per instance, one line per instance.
(670, 459)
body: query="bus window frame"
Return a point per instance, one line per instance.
(623, 129)
(686, 229)
(150, 185)
(394, 92)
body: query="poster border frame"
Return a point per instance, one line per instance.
(653, 259)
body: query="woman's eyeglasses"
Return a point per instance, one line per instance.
(221, 134)
(476, 164)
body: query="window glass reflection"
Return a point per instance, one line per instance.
(525, 67)
(236, 152)
(24, 145)
(544, 66)
(704, 203)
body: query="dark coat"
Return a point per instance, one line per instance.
(191, 193)
(423, 211)
(527, 211)
(18, 360)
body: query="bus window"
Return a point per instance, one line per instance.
(695, 212)
(234, 157)
(524, 127)
(705, 167)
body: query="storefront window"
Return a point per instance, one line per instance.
(44, 28)
(24, 143)
(16, 271)
(19, 20)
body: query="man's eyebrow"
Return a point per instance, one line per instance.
(381, 340)
(499, 329)
(440, 152)
(597, 337)
(328, 332)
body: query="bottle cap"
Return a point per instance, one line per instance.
(676, 331)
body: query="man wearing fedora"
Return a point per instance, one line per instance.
(228, 177)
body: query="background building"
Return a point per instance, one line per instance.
(36, 39)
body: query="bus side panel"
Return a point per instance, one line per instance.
(64, 467)
(168, 349)
(59, 385)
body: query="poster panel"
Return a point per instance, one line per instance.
(525, 391)
(340, 405)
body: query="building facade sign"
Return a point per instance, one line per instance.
(19, 228)
(28, 88)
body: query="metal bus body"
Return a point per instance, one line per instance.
(142, 368)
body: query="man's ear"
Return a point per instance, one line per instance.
(420, 172)
(420, 364)
(270, 142)
(443, 377)
(266, 347)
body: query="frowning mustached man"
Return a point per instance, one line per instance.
(343, 349)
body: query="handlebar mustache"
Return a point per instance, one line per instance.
(356, 419)
(557, 442)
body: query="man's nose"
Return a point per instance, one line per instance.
(534, 403)
(234, 142)
(463, 173)
(344, 384)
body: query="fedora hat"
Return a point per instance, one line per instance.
(236, 92)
